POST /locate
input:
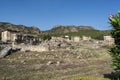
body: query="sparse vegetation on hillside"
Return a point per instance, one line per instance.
(95, 34)
(45, 37)
(56, 31)
(19, 28)
(5, 23)
(67, 29)
(77, 31)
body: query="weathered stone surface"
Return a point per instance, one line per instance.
(58, 63)
(5, 51)
(38, 48)
(49, 62)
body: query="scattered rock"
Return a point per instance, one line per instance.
(49, 62)
(23, 61)
(58, 63)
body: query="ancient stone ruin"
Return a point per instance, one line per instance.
(108, 40)
(25, 42)
(10, 37)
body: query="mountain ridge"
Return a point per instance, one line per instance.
(68, 29)
(55, 31)
(19, 28)
(34, 30)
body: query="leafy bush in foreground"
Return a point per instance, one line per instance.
(115, 50)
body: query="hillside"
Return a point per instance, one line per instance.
(76, 31)
(67, 29)
(18, 28)
(55, 31)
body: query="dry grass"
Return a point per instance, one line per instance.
(33, 65)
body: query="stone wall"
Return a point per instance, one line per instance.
(85, 38)
(75, 39)
(6, 36)
(37, 48)
(19, 37)
(108, 40)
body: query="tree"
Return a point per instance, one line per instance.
(115, 50)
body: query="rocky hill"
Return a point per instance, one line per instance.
(34, 30)
(67, 29)
(19, 28)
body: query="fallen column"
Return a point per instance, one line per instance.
(5, 51)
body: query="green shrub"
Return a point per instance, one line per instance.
(115, 50)
(88, 78)
(95, 34)
(45, 37)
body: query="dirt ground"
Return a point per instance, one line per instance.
(56, 65)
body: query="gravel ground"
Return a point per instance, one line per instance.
(56, 65)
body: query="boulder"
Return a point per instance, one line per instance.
(5, 51)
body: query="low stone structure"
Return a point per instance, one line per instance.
(55, 43)
(65, 38)
(54, 39)
(85, 38)
(75, 39)
(8, 36)
(38, 48)
(108, 40)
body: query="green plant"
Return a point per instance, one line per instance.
(115, 50)
(95, 34)
(45, 37)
